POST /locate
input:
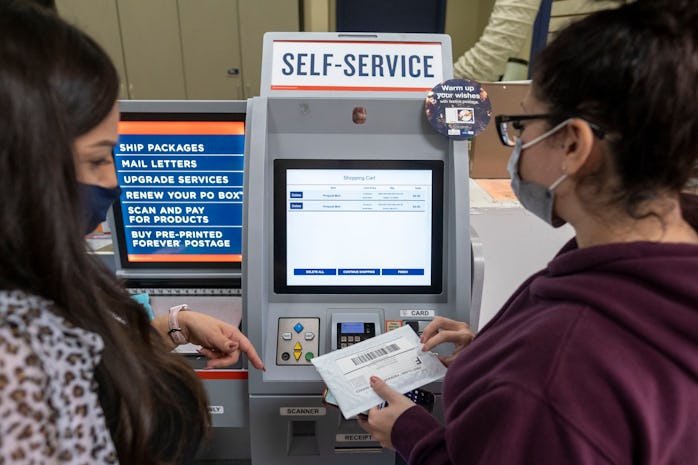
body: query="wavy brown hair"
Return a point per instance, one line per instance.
(55, 85)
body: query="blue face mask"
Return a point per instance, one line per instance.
(96, 201)
(535, 198)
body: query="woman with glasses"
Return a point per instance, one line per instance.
(593, 360)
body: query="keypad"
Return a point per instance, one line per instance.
(345, 339)
(297, 341)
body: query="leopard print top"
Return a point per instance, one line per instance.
(49, 409)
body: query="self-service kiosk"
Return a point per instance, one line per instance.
(356, 222)
(177, 232)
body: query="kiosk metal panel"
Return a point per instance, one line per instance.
(177, 245)
(293, 143)
(356, 222)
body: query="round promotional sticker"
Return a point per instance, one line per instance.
(458, 109)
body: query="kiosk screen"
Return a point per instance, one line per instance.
(181, 176)
(358, 226)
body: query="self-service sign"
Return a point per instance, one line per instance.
(327, 65)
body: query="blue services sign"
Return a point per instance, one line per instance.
(182, 190)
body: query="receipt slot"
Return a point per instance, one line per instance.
(353, 226)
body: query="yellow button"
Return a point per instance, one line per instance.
(297, 354)
(297, 346)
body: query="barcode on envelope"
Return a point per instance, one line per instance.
(374, 354)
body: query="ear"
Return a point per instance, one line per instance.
(578, 146)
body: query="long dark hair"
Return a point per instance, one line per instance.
(634, 72)
(55, 85)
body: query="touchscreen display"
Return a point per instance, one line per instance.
(359, 224)
(182, 185)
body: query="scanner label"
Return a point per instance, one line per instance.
(302, 411)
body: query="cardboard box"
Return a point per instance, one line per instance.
(488, 157)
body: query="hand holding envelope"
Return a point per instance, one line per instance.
(395, 357)
(379, 422)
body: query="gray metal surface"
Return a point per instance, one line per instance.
(288, 423)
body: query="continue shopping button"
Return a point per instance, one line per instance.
(403, 272)
(359, 271)
(314, 271)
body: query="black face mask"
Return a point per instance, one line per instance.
(96, 201)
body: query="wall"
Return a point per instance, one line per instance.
(465, 21)
(184, 49)
(212, 49)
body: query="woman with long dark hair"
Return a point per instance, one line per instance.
(593, 360)
(84, 376)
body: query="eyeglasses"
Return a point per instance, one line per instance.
(509, 127)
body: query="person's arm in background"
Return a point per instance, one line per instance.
(509, 27)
